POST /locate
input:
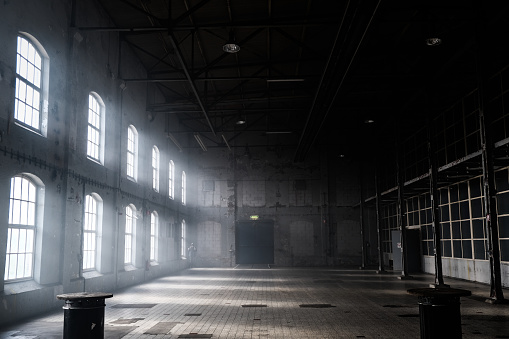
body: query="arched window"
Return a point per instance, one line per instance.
(155, 168)
(91, 227)
(95, 133)
(132, 153)
(21, 231)
(154, 231)
(184, 188)
(183, 239)
(32, 79)
(130, 227)
(171, 179)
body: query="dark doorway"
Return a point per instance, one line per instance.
(255, 242)
(413, 244)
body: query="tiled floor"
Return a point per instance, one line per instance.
(261, 302)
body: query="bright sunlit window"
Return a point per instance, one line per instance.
(31, 95)
(95, 136)
(183, 239)
(153, 235)
(130, 224)
(132, 153)
(184, 188)
(171, 179)
(90, 229)
(155, 168)
(21, 229)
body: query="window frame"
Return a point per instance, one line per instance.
(96, 108)
(171, 179)
(154, 238)
(132, 143)
(184, 188)
(32, 206)
(183, 239)
(129, 234)
(156, 156)
(42, 89)
(97, 219)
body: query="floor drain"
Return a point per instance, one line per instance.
(123, 321)
(254, 305)
(133, 306)
(316, 305)
(163, 327)
(192, 314)
(195, 335)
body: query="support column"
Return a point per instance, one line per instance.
(361, 220)
(489, 190)
(401, 214)
(435, 213)
(379, 223)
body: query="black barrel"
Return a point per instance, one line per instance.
(439, 312)
(84, 315)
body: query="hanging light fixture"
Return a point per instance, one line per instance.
(433, 41)
(230, 46)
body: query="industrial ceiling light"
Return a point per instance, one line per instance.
(226, 142)
(175, 141)
(230, 46)
(240, 121)
(433, 41)
(200, 142)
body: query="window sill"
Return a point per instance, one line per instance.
(91, 274)
(95, 161)
(22, 287)
(129, 267)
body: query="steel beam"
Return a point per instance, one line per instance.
(178, 53)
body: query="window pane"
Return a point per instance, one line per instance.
(15, 240)
(20, 240)
(28, 84)
(479, 251)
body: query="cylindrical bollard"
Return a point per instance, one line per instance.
(84, 315)
(439, 312)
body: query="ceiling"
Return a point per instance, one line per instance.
(308, 73)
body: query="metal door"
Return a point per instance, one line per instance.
(255, 242)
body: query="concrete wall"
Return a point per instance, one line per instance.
(314, 224)
(473, 270)
(81, 63)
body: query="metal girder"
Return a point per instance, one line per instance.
(287, 23)
(191, 82)
(264, 78)
(250, 64)
(159, 59)
(322, 102)
(141, 10)
(189, 12)
(168, 106)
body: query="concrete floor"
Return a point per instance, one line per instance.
(259, 302)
